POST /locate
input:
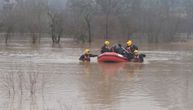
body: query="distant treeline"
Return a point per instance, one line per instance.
(85, 20)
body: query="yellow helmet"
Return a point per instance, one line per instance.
(106, 42)
(129, 42)
(86, 51)
(136, 51)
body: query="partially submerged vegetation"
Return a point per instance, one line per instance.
(85, 20)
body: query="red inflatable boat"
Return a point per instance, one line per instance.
(111, 57)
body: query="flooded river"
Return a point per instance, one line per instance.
(46, 78)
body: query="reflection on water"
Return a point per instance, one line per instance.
(108, 83)
(114, 69)
(22, 90)
(47, 78)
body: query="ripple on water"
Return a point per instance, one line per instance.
(155, 85)
(166, 55)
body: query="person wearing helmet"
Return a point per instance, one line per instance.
(138, 57)
(86, 56)
(129, 50)
(131, 47)
(106, 47)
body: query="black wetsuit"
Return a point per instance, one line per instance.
(131, 48)
(139, 58)
(105, 49)
(86, 57)
(118, 49)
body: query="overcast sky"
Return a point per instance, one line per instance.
(58, 4)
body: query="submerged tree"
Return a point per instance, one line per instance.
(82, 14)
(85, 20)
(8, 23)
(188, 17)
(56, 27)
(107, 9)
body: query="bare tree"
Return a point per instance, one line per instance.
(107, 7)
(189, 17)
(56, 25)
(159, 20)
(31, 18)
(8, 24)
(130, 16)
(36, 16)
(84, 11)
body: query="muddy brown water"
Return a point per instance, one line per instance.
(47, 78)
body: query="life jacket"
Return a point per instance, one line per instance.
(136, 58)
(105, 49)
(86, 57)
(128, 48)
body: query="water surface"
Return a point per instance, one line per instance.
(46, 78)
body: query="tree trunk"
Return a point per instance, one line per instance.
(107, 27)
(89, 33)
(59, 36)
(7, 36)
(34, 38)
(89, 29)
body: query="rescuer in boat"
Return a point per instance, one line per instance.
(106, 47)
(131, 47)
(86, 56)
(117, 48)
(129, 50)
(138, 57)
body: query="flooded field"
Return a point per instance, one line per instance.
(46, 78)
